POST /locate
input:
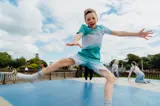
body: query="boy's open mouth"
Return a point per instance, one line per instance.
(92, 25)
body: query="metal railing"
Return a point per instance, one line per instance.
(7, 76)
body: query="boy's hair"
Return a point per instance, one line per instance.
(89, 10)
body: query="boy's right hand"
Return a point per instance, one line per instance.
(73, 44)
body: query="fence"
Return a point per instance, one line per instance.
(152, 75)
(148, 74)
(6, 77)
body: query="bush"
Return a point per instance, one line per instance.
(22, 67)
(33, 66)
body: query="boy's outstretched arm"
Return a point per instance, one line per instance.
(77, 38)
(75, 41)
(141, 33)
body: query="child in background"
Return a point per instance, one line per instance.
(88, 71)
(115, 68)
(139, 74)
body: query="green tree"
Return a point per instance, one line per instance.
(18, 62)
(127, 66)
(33, 66)
(146, 63)
(43, 62)
(133, 57)
(110, 64)
(5, 59)
(37, 61)
(155, 61)
(120, 63)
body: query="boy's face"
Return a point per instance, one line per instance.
(91, 20)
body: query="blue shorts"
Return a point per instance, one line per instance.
(140, 78)
(94, 65)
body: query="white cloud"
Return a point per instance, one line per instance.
(22, 20)
(26, 19)
(135, 15)
(118, 47)
(54, 46)
(17, 46)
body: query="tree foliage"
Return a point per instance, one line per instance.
(7, 60)
(149, 62)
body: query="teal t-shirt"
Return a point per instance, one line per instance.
(92, 41)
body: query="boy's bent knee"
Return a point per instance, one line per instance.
(110, 78)
(108, 75)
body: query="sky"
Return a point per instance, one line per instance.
(28, 27)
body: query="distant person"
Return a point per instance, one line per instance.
(139, 74)
(42, 66)
(10, 67)
(86, 71)
(115, 68)
(26, 68)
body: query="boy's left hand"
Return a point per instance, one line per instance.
(73, 44)
(144, 35)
